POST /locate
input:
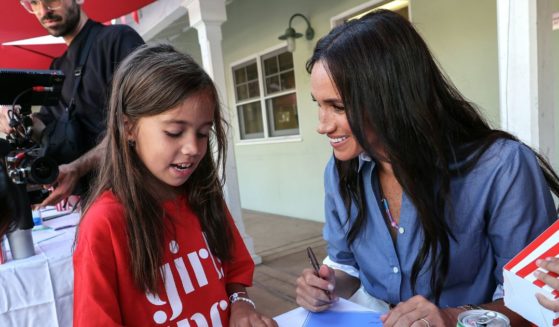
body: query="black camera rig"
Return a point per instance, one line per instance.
(23, 166)
(24, 159)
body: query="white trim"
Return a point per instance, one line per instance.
(234, 115)
(340, 18)
(280, 93)
(335, 21)
(256, 55)
(270, 140)
(266, 139)
(261, 82)
(526, 81)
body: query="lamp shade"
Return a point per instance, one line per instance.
(290, 34)
(290, 44)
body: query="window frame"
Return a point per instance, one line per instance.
(258, 57)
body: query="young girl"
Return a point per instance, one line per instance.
(157, 245)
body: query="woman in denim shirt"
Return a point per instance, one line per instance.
(425, 202)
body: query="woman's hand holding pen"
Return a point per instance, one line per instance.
(316, 293)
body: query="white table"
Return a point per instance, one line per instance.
(38, 291)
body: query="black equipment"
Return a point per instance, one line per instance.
(23, 166)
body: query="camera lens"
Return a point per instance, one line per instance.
(44, 170)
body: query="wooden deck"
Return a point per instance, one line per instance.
(281, 242)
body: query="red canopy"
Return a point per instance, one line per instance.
(17, 24)
(29, 56)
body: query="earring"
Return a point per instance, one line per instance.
(131, 143)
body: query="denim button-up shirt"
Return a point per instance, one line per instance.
(499, 207)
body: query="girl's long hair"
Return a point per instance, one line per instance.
(150, 81)
(392, 88)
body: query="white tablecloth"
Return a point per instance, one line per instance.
(38, 291)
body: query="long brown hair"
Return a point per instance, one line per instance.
(150, 81)
(391, 86)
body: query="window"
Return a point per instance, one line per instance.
(265, 96)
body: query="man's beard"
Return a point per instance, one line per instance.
(69, 26)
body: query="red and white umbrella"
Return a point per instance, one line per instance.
(17, 24)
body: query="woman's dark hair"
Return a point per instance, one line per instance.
(391, 87)
(150, 81)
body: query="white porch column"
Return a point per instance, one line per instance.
(207, 16)
(158, 16)
(526, 72)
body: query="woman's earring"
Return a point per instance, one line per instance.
(131, 143)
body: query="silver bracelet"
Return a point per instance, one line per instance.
(237, 297)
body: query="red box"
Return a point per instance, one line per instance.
(521, 285)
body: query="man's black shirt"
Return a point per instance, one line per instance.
(112, 44)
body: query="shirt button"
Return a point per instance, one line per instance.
(401, 230)
(395, 269)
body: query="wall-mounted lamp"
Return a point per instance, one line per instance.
(290, 35)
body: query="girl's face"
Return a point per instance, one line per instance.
(171, 144)
(332, 120)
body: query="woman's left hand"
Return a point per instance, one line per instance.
(416, 312)
(244, 315)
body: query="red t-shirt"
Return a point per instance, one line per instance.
(194, 290)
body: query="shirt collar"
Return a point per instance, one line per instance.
(363, 159)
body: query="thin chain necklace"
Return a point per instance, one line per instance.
(386, 207)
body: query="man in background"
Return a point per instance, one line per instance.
(111, 44)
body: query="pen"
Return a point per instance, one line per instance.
(48, 238)
(315, 265)
(64, 227)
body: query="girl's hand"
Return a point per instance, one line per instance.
(417, 312)
(551, 265)
(243, 314)
(316, 293)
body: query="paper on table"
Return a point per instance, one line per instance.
(64, 221)
(297, 317)
(55, 227)
(45, 234)
(343, 318)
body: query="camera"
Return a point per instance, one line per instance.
(23, 166)
(28, 166)
(24, 160)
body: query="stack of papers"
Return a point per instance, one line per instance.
(56, 227)
(521, 285)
